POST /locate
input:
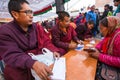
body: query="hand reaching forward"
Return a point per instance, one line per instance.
(94, 54)
(72, 45)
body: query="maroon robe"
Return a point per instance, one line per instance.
(15, 43)
(61, 39)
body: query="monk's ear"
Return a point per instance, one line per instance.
(15, 14)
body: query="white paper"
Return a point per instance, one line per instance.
(59, 70)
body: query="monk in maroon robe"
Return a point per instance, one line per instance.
(19, 37)
(63, 33)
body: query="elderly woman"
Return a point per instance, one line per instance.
(108, 50)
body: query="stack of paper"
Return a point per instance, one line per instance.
(59, 70)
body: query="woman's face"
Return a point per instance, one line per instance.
(103, 30)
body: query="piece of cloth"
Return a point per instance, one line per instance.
(14, 46)
(61, 39)
(114, 58)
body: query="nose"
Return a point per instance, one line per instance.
(31, 15)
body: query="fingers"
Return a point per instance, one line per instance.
(81, 42)
(42, 70)
(46, 74)
(56, 55)
(43, 75)
(49, 71)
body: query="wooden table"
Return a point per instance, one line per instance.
(80, 66)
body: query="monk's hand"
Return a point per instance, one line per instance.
(72, 45)
(80, 42)
(42, 70)
(56, 55)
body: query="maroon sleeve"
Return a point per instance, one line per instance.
(57, 40)
(44, 40)
(11, 53)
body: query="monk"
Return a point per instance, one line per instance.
(20, 37)
(63, 33)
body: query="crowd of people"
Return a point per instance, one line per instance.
(21, 36)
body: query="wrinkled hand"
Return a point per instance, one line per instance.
(42, 70)
(72, 45)
(56, 55)
(94, 54)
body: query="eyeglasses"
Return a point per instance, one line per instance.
(28, 12)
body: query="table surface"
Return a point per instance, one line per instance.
(79, 65)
